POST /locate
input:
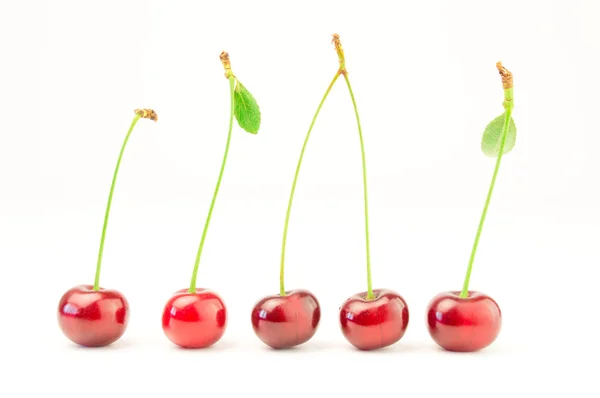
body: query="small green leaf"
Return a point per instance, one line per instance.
(492, 137)
(246, 109)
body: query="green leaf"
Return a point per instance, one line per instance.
(246, 109)
(492, 137)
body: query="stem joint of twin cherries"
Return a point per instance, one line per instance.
(196, 318)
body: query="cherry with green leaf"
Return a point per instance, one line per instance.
(90, 315)
(197, 317)
(466, 321)
(369, 320)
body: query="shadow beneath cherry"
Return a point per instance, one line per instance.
(300, 348)
(309, 346)
(487, 351)
(218, 347)
(117, 345)
(404, 348)
(395, 349)
(318, 346)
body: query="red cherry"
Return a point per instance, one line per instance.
(286, 321)
(93, 318)
(194, 320)
(376, 323)
(463, 324)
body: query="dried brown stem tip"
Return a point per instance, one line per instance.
(147, 114)
(226, 63)
(340, 51)
(335, 39)
(507, 77)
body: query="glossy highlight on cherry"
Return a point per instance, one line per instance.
(286, 321)
(463, 324)
(93, 318)
(370, 324)
(194, 320)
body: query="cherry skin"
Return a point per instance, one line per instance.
(194, 320)
(286, 321)
(93, 318)
(375, 323)
(463, 324)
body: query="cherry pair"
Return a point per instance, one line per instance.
(284, 321)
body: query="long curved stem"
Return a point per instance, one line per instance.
(192, 289)
(507, 116)
(108, 205)
(366, 201)
(287, 216)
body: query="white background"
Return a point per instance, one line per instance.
(424, 76)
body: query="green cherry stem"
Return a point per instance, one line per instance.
(364, 170)
(139, 113)
(342, 60)
(508, 104)
(229, 75)
(341, 71)
(289, 209)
